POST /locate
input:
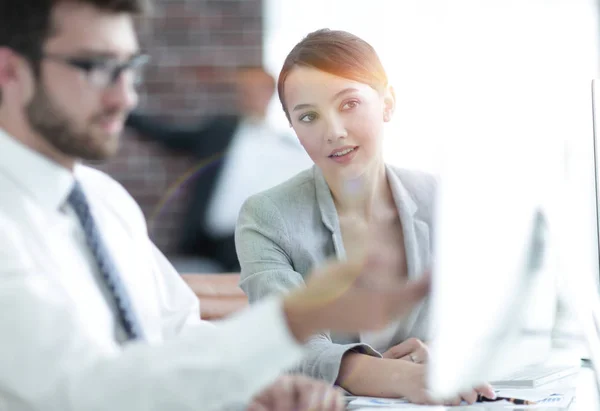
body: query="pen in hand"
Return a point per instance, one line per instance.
(517, 401)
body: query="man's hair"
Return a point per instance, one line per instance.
(25, 25)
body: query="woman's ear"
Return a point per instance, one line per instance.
(389, 103)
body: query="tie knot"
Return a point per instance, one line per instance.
(76, 193)
(78, 201)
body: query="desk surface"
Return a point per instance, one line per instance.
(587, 394)
(586, 398)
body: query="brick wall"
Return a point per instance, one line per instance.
(194, 44)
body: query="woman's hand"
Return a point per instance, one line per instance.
(361, 374)
(413, 350)
(413, 386)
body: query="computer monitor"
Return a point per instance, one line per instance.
(489, 248)
(596, 158)
(589, 310)
(498, 251)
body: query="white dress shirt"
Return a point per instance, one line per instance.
(258, 158)
(61, 349)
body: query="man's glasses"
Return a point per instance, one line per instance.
(104, 72)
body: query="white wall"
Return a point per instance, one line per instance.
(462, 66)
(509, 78)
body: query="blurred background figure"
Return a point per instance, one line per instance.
(236, 155)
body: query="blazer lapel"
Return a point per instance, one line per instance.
(329, 214)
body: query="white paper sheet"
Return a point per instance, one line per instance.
(543, 398)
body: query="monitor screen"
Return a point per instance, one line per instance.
(504, 255)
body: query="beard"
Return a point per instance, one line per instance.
(54, 125)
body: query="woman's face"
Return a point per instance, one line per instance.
(338, 121)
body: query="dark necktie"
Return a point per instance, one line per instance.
(107, 267)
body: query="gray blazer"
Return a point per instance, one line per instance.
(288, 230)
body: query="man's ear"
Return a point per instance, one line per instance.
(389, 103)
(14, 69)
(7, 68)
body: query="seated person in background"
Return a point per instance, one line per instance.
(335, 94)
(255, 156)
(94, 316)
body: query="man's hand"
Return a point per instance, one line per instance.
(338, 297)
(297, 392)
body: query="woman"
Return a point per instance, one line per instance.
(335, 94)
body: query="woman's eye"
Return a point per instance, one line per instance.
(308, 117)
(350, 105)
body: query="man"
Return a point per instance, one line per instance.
(94, 317)
(250, 155)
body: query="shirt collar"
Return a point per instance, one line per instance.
(48, 182)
